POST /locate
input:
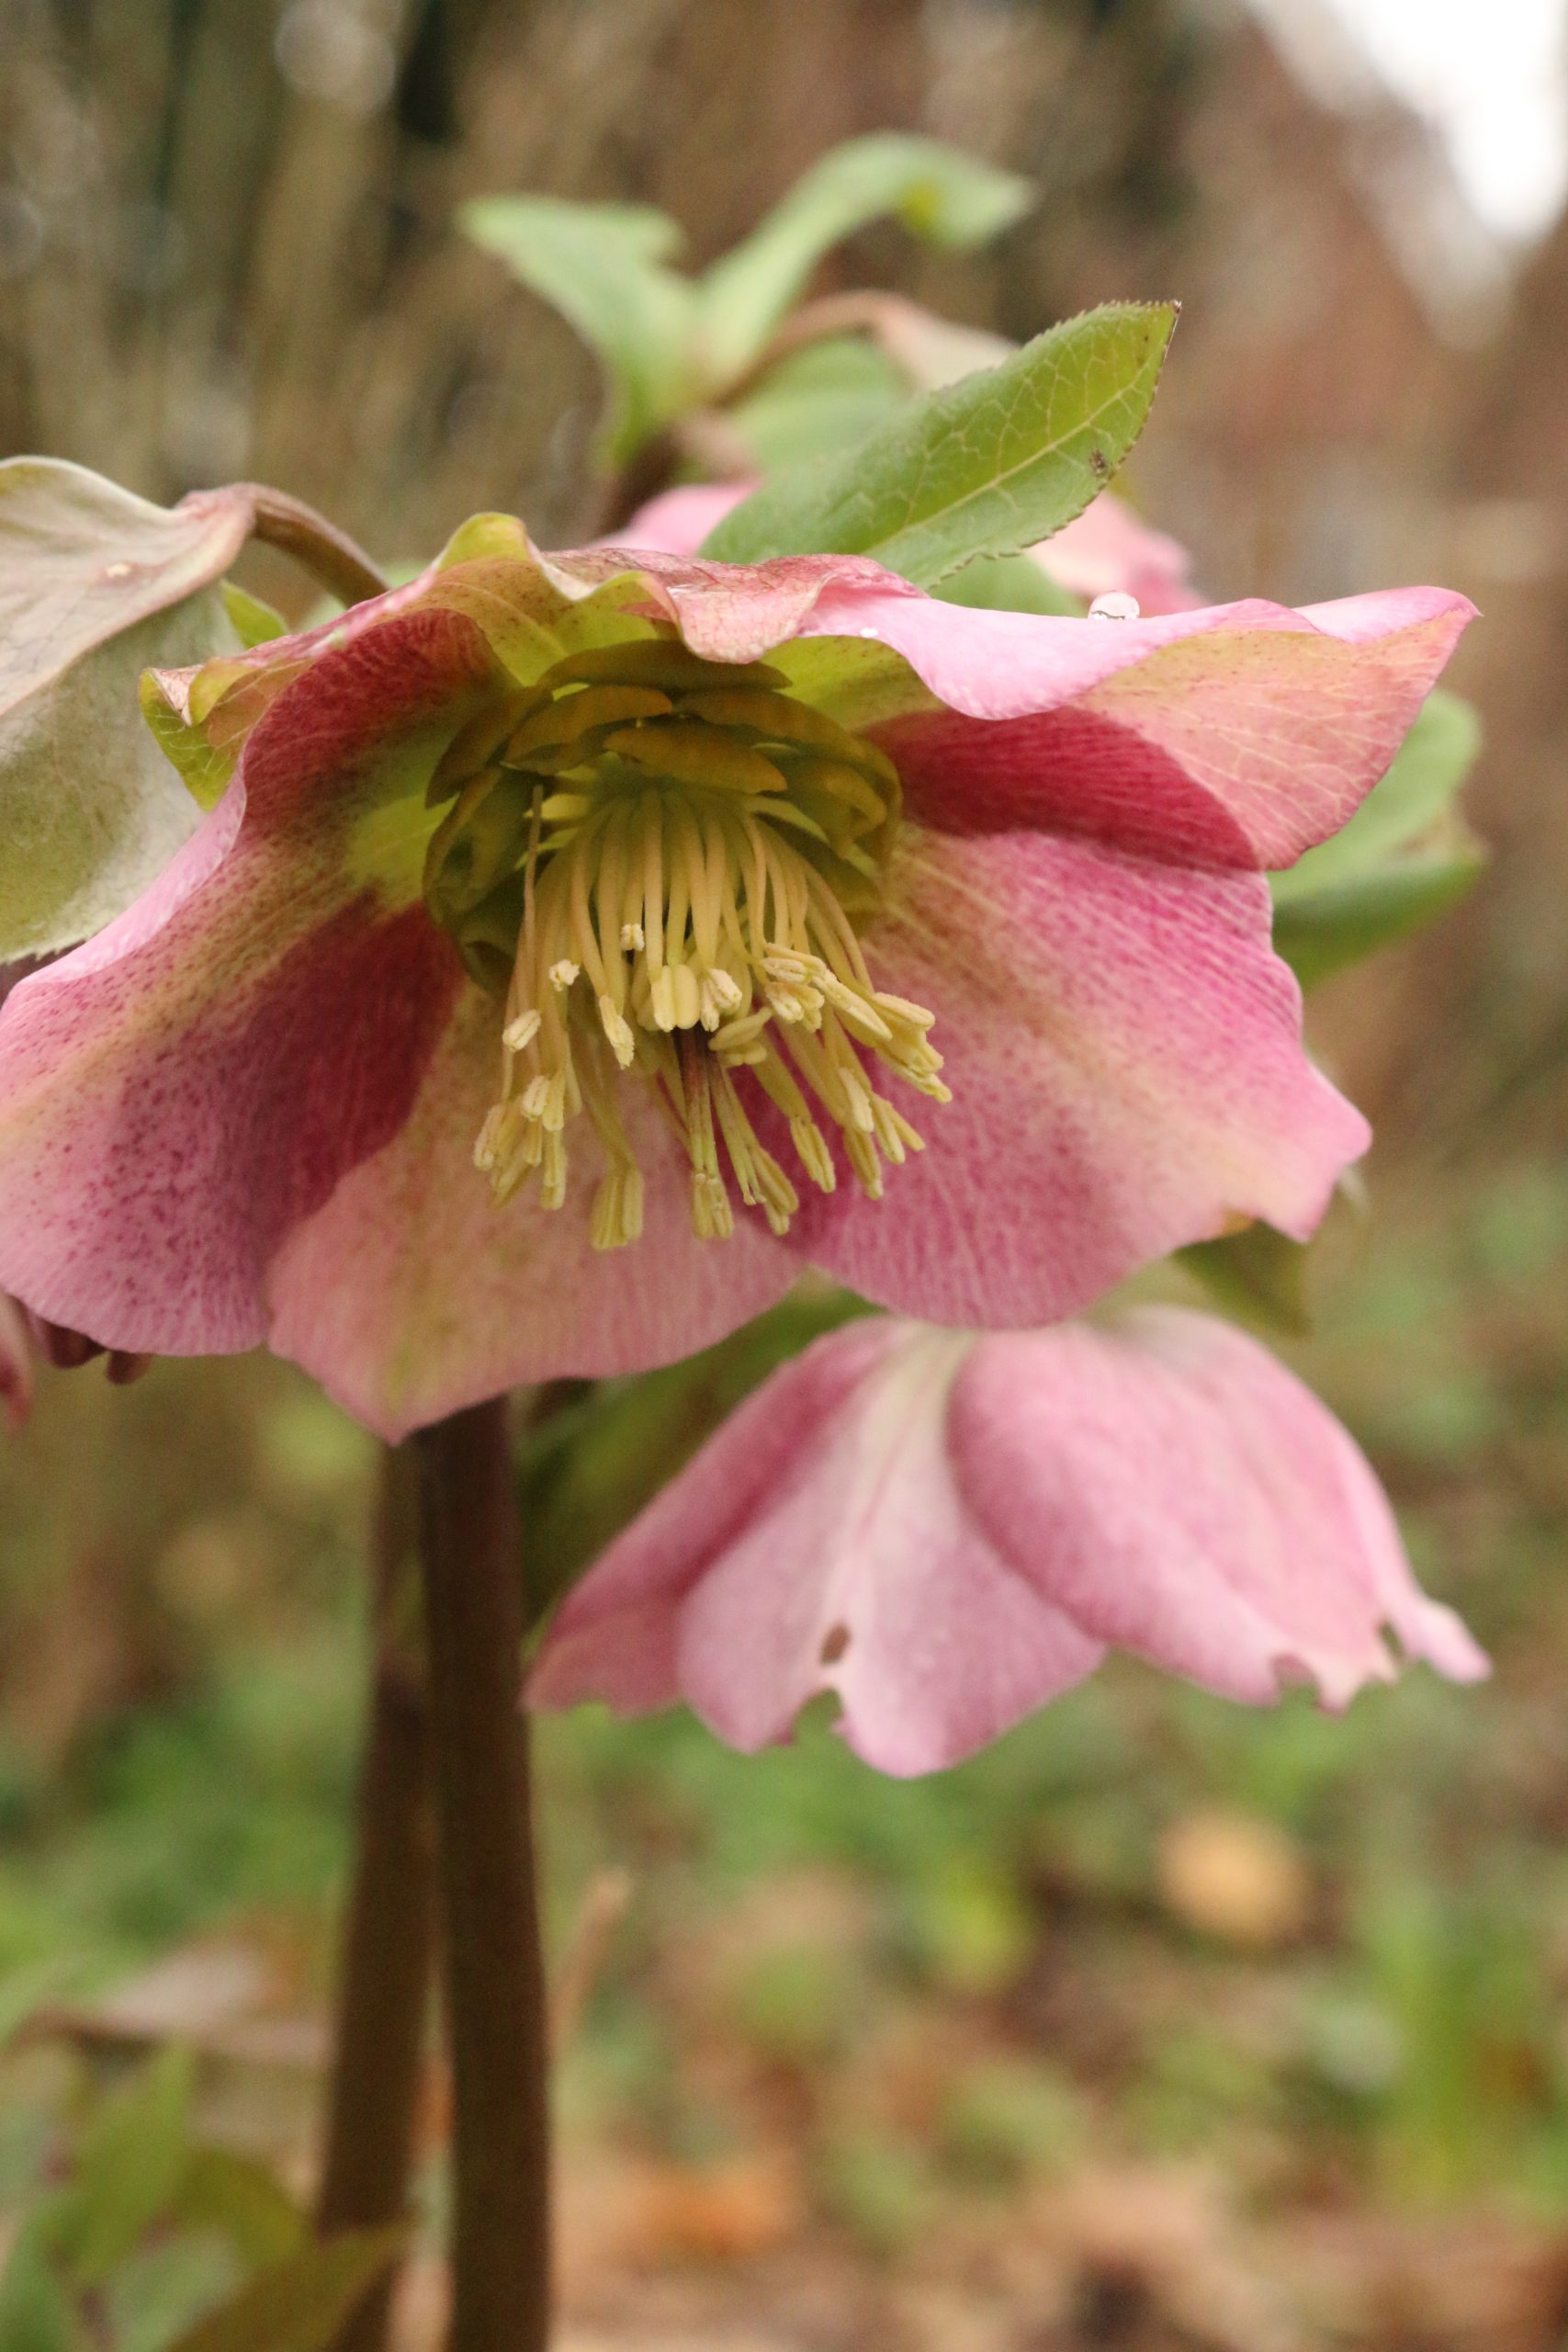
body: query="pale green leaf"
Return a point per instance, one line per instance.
(129, 2166)
(818, 399)
(601, 266)
(939, 193)
(243, 2200)
(986, 466)
(95, 585)
(1403, 858)
(298, 2305)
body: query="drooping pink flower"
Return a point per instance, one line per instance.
(669, 885)
(949, 1529)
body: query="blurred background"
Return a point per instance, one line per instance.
(1163, 2024)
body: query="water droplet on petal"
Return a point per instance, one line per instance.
(1115, 606)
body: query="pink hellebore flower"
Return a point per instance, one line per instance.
(673, 893)
(948, 1530)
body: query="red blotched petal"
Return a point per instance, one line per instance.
(1175, 1492)
(1235, 737)
(181, 1093)
(1126, 1058)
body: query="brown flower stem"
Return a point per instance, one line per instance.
(384, 1992)
(492, 1959)
(328, 555)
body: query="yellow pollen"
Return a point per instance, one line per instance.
(682, 855)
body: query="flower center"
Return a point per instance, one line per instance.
(661, 864)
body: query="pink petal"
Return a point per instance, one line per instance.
(1126, 1058)
(1108, 548)
(737, 612)
(817, 1542)
(1234, 737)
(16, 1361)
(1175, 1492)
(409, 1294)
(179, 1093)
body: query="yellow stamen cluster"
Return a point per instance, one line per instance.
(658, 862)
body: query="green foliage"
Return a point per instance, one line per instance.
(942, 195)
(298, 2305)
(984, 466)
(129, 2166)
(1404, 856)
(602, 266)
(823, 396)
(1257, 1275)
(95, 585)
(36, 2312)
(669, 343)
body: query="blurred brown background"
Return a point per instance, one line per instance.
(992, 2067)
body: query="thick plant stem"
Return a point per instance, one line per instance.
(384, 1992)
(328, 554)
(494, 1968)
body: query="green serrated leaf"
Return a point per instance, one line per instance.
(129, 2166)
(1403, 858)
(299, 2305)
(985, 467)
(601, 266)
(243, 2200)
(95, 585)
(36, 2312)
(1258, 1274)
(938, 192)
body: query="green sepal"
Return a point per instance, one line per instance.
(1257, 1275)
(939, 194)
(254, 621)
(988, 466)
(1405, 858)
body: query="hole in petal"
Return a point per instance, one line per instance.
(835, 1642)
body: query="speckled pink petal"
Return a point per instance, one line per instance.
(16, 1362)
(1125, 1057)
(179, 1093)
(1232, 736)
(819, 1543)
(1175, 1492)
(409, 1292)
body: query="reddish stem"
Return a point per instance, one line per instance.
(493, 1968)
